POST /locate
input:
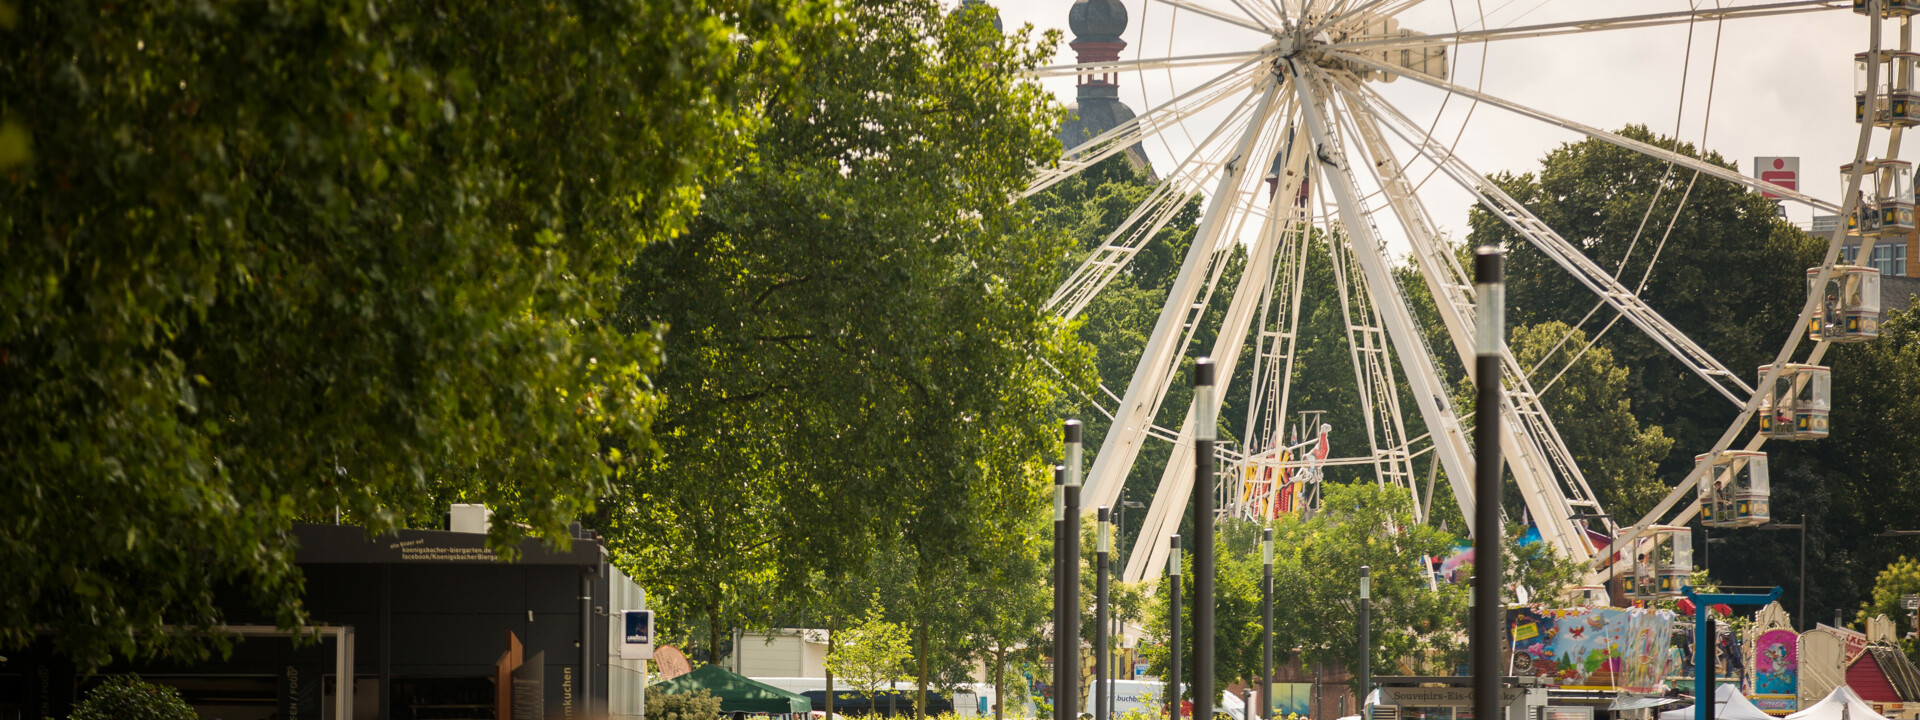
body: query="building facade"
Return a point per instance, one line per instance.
(427, 624)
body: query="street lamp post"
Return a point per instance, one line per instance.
(1102, 668)
(1490, 325)
(1266, 624)
(1205, 413)
(1366, 633)
(1175, 648)
(1070, 532)
(1060, 586)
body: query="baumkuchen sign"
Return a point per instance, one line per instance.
(1441, 696)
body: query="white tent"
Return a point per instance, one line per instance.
(1841, 704)
(1728, 704)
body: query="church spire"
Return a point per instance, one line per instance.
(1097, 25)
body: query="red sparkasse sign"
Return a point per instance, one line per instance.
(1781, 171)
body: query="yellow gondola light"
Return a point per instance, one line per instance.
(1796, 407)
(1889, 8)
(1735, 490)
(1896, 102)
(1886, 198)
(1849, 305)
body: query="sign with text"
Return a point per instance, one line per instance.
(1438, 696)
(636, 635)
(1781, 171)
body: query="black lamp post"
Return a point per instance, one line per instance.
(1266, 625)
(1366, 633)
(1174, 648)
(1102, 666)
(1205, 413)
(1491, 338)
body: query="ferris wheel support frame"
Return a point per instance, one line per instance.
(1203, 265)
(1586, 26)
(1429, 392)
(1176, 480)
(1550, 482)
(1147, 388)
(1849, 204)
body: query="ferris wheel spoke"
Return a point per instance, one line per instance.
(1157, 119)
(1588, 273)
(1177, 62)
(1652, 151)
(1550, 481)
(1161, 205)
(1333, 165)
(1599, 25)
(1147, 388)
(1224, 17)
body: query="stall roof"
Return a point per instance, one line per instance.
(1728, 704)
(736, 693)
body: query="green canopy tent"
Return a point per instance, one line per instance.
(736, 693)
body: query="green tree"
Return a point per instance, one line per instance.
(1730, 275)
(1900, 578)
(861, 360)
(870, 655)
(700, 705)
(1588, 396)
(128, 697)
(274, 261)
(1316, 587)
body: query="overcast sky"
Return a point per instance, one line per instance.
(1784, 85)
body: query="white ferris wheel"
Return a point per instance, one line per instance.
(1291, 133)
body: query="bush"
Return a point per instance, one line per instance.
(127, 697)
(686, 706)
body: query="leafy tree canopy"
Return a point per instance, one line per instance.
(128, 697)
(271, 261)
(860, 362)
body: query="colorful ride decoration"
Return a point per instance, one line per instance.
(1886, 199)
(1849, 305)
(1593, 647)
(1798, 404)
(1735, 491)
(1895, 100)
(1773, 651)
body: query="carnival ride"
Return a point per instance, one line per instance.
(1292, 137)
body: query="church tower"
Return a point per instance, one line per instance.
(1097, 26)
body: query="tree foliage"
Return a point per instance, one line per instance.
(128, 697)
(1898, 579)
(1589, 400)
(699, 705)
(1317, 589)
(870, 655)
(273, 261)
(859, 359)
(1730, 274)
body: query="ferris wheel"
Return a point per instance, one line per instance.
(1292, 148)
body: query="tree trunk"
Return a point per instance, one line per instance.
(833, 627)
(999, 685)
(920, 707)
